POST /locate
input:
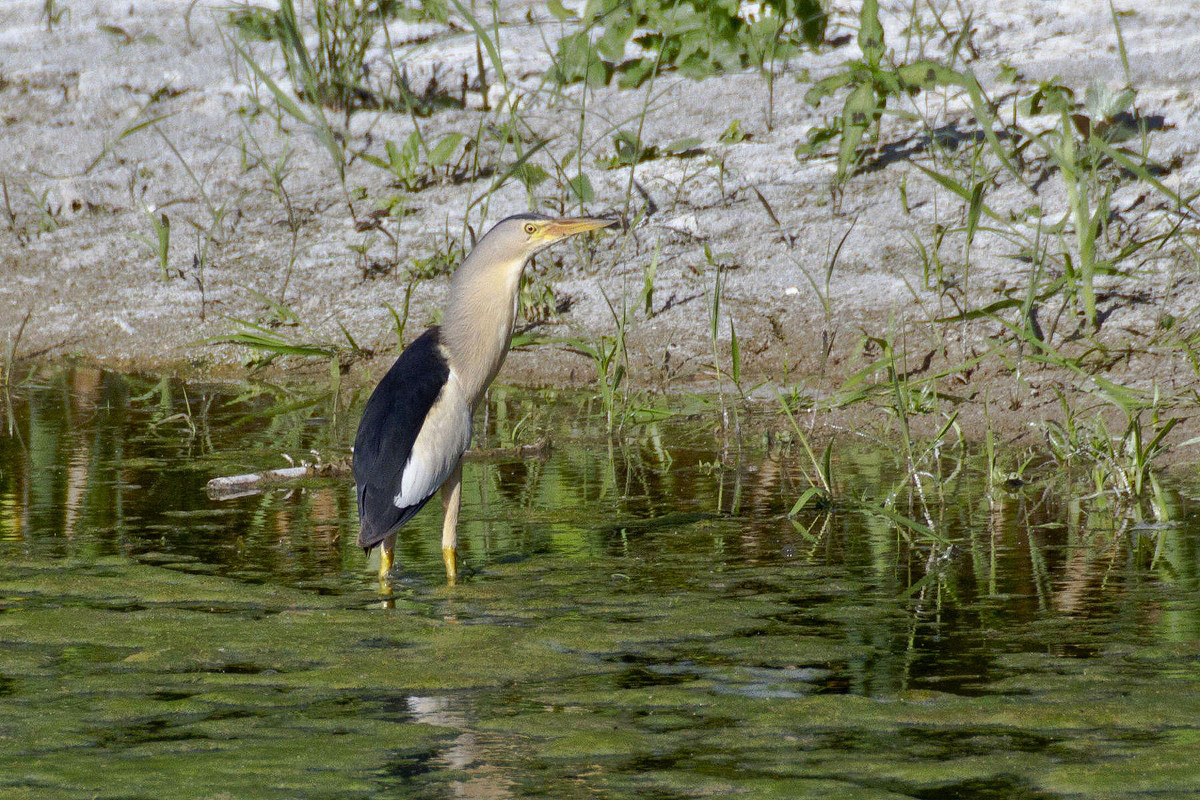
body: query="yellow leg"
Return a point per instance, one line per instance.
(387, 557)
(451, 501)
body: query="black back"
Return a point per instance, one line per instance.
(386, 433)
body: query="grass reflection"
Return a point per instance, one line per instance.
(101, 463)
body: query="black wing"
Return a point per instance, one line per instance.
(389, 426)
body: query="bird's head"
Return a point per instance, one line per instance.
(491, 273)
(525, 235)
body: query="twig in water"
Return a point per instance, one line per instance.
(231, 486)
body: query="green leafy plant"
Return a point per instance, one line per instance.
(415, 165)
(628, 149)
(331, 73)
(447, 254)
(604, 352)
(47, 214)
(1078, 147)
(696, 38)
(160, 244)
(1083, 148)
(871, 82)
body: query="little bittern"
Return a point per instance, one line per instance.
(417, 423)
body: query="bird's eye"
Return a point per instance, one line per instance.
(530, 228)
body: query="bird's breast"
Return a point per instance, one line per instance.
(444, 436)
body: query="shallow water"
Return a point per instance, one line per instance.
(634, 620)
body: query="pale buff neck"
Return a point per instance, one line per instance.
(478, 323)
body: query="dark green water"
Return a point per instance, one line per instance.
(633, 622)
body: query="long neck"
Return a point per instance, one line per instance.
(478, 322)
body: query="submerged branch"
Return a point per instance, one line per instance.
(231, 486)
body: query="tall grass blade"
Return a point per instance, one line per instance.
(488, 44)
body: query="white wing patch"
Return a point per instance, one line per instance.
(444, 437)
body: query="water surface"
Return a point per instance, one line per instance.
(638, 618)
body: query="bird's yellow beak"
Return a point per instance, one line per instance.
(557, 229)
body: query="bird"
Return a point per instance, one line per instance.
(416, 424)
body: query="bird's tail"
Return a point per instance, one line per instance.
(368, 537)
(375, 527)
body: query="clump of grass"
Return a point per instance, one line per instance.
(821, 483)
(605, 353)
(332, 73)
(284, 333)
(414, 164)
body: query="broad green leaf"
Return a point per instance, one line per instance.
(1048, 98)
(870, 32)
(616, 36)
(581, 187)
(530, 174)
(817, 138)
(828, 86)
(928, 75)
(683, 145)
(1103, 103)
(733, 134)
(806, 496)
(375, 161)
(444, 149)
(559, 11)
(412, 148)
(1122, 102)
(860, 110)
(813, 20)
(577, 60)
(636, 72)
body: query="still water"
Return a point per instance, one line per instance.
(637, 619)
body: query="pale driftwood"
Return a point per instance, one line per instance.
(231, 486)
(538, 449)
